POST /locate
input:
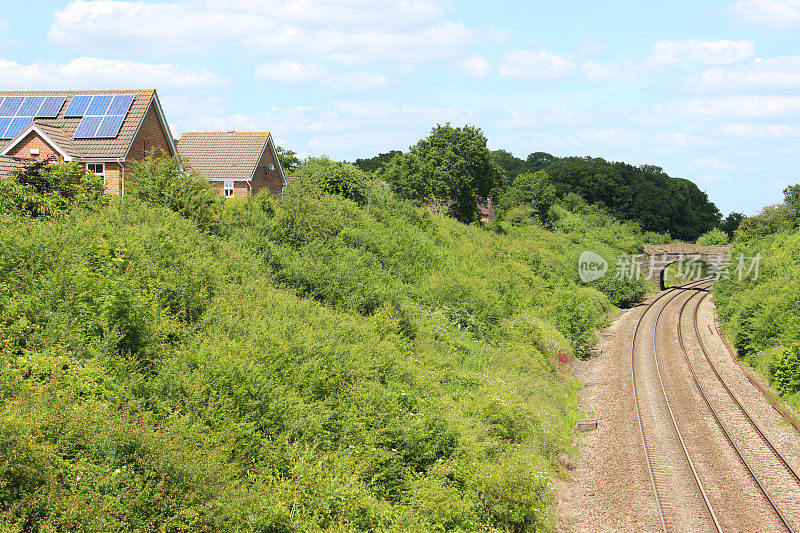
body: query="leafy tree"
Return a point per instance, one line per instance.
(166, 181)
(540, 160)
(452, 164)
(645, 194)
(376, 163)
(792, 199)
(331, 177)
(47, 188)
(288, 158)
(731, 223)
(532, 189)
(715, 236)
(771, 219)
(511, 165)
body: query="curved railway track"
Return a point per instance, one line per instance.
(661, 437)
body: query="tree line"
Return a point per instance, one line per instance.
(454, 167)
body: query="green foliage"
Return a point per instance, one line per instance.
(644, 194)
(771, 220)
(332, 359)
(731, 224)
(325, 176)
(532, 190)
(373, 164)
(792, 200)
(288, 158)
(651, 237)
(451, 167)
(510, 165)
(622, 292)
(165, 181)
(763, 315)
(785, 369)
(47, 188)
(713, 237)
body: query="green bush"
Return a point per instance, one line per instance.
(317, 362)
(785, 370)
(167, 181)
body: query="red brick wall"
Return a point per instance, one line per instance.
(113, 178)
(32, 141)
(240, 188)
(264, 177)
(151, 136)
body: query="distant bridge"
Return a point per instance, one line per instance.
(657, 257)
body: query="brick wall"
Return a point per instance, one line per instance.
(151, 136)
(240, 188)
(113, 178)
(264, 177)
(33, 141)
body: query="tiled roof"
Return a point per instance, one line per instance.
(11, 165)
(223, 155)
(61, 129)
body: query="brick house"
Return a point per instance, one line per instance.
(102, 130)
(239, 163)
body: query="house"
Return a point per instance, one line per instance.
(102, 130)
(486, 209)
(239, 163)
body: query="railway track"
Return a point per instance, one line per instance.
(667, 451)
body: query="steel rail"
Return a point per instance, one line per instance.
(735, 399)
(636, 403)
(720, 423)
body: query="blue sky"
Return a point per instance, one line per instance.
(710, 91)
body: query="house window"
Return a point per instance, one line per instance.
(97, 168)
(228, 189)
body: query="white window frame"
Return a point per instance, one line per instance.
(228, 186)
(102, 172)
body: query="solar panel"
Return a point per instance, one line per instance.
(30, 106)
(87, 127)
(120, 105)
(109, 128)
(99, 104)
(51, 107)
(77, 106)
(4, 122)
(10, 106)
(17, 125)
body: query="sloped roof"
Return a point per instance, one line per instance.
(217, 155)
(12, 165)
(62, 129)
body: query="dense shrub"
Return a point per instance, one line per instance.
(171, 182)
(48, 188)
(714, 236)
(319, 362)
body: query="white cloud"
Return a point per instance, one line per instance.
(92, 72)
(665, 54)
(290, 71)
(759, 130)
(721, 52)
(744, 105)
(475, 66)
(712, 163)
(442, 40)
(535, 65)
(397, 30)
(295, 72)
(356, 81)
(601, 72)
(771, 74)
(777, 14)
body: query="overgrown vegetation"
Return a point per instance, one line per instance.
(762, 315)
(332, 359)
